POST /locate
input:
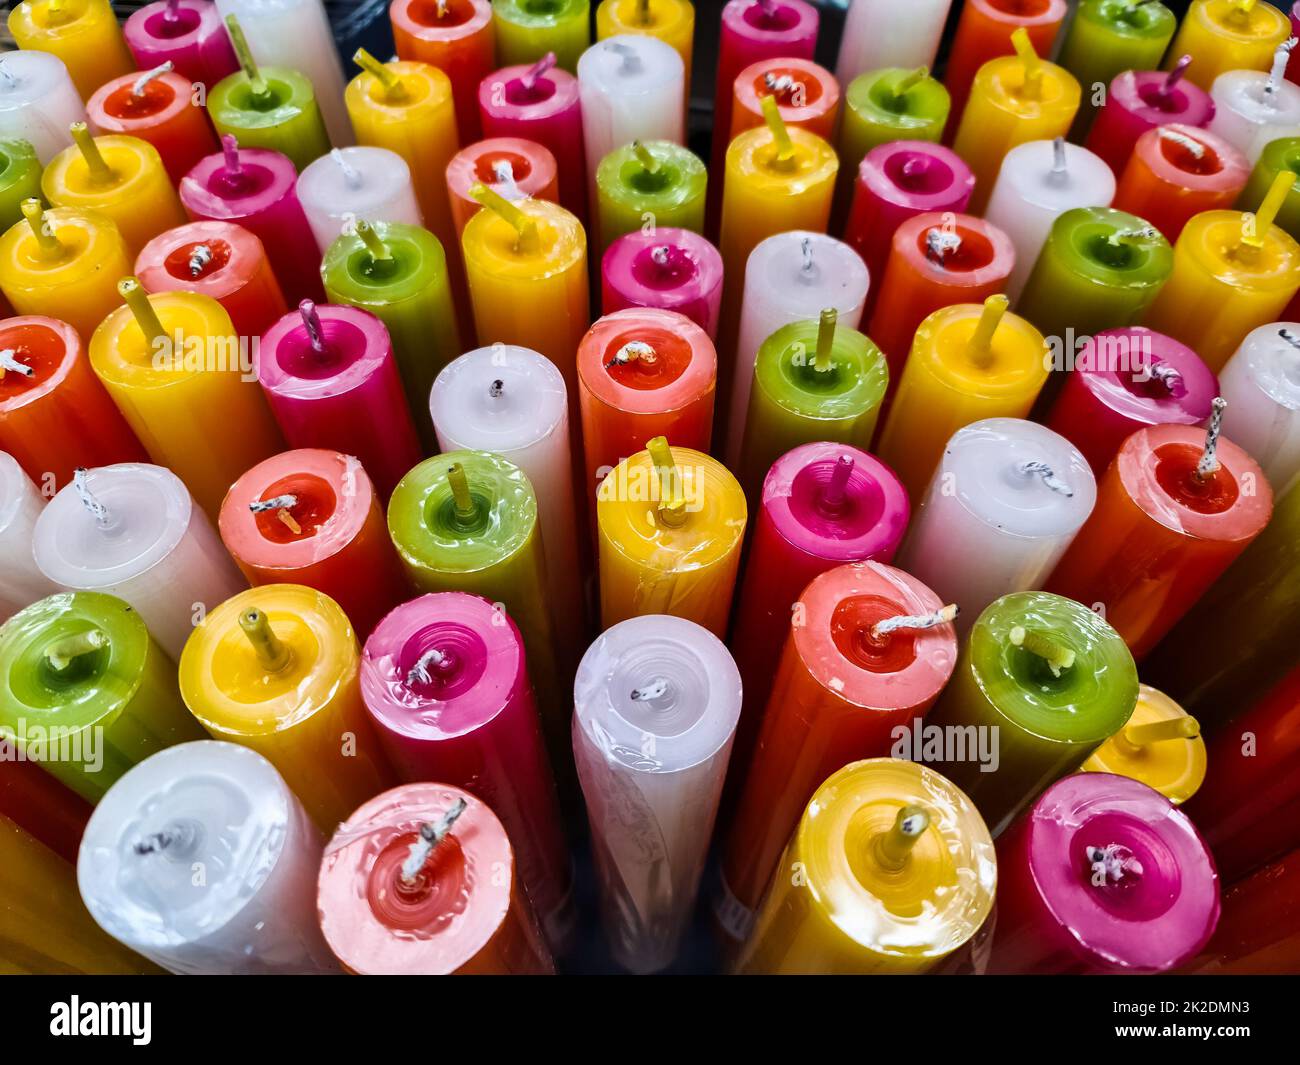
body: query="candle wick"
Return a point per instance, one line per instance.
(1043, 470)
(230, 150)
(1112, 863)
(1175, 76)
(1280, 59)
(441, 9)
(809, 267)
(422, 671)
(631, 58)
(939, 242)
(311, 321)
(1057, 656)
(503, 173)
(660, 255)
(10, 81)
(1209, 461)
(431, 834)
(284, 502)
(169, 12)
(943, 616)
(9, 362)
(81, 485)
(1289, 337)
(154, 842)
(1170, 377)
(271, 652)
(656, 689)
(893, 848)
(534, 73)
(781, 86)
(1190, 144)
(464, 508)
(496, 388)
(633, 351)
(1117, 236)
(142, 82)
(836, 494)
(1134, 739)
(199, 259)
(351, 175)
(61, 654)
(671, 509)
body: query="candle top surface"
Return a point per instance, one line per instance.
(194, 325)
(1192, 158)
(441, 22)
(540, 14)
(17, 161)
(1270, 353)
(755, 158)
(1015, 359)
(1082, 702)
(179, 25)
(1003, 82)
(982, 254)
(494, 245)
(172, 261)
(1213, 240)
(665, 16)
(924, 905)
(918, 175)
(513, 92)
(1239, 22)
(64, 19)
(679, 176)
(235, 102)
(31, 77)
(1113, 248)
(669, 268)
(117, 103)
(1148, 95)
(219, 805)
(840, 647)
(353, 345)
(376, 922)
(1146, 376)
(647, 361)
(1021, 12)
(500, 399)
(214, 190)
(359, 179)
(16, 488)
(1124, 872)
(69, 181)
(233, 693)
(419, 88)
(89, 242)
(1283, 153)
(1030, 169)
(828, 508)
(1258, 99)
(804, 90)
(1127, 19)
(800, 272)
(885, 98)
(47, 347)
(778, 22)
(532, 167)
(1175, 766)
(629, 64)
(415, 263)
(850, 381)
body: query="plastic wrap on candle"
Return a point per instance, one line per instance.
(516, 168)
(20, 507)
(38, 102)
(1261, 382)
(669, 269)
(1175, 767)
(186, 33)
(373, 184)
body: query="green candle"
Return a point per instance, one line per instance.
(812, 381)
(1044, 681)
(1281, 154)
(20, 179)
(85, 691)
(398, 272)
(1099, 269)
(657, 183)
(527, 29)
(889, 105)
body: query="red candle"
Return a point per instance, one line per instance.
(1179, 171)
(515, 167)
(54, 414)
(807, 96)
(456, 37)
(218, 259)
(311, 517)
(666, 268)
(1139, 100)
(40, 805)
(1259, 928)
(157, 107)
(1176, 506)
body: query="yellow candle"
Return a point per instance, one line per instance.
(83, 33)
(1233, 272)
(187, 386)
(967, 362)
(890, 870)
(276, 669)
(672, 21)
(671, 521)
(120, 176)
(63, 264)
(1161, 746)
(1013, 99)
(1223, 35)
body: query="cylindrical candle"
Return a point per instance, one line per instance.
(1279, 155)
(20, 507)
(456, 36)
(807, 96)
(20, 179)
(37, 803)
(672, 21)
(668, 269)
(352, 183)
(1138, 100)
(1261, 383)
(1223, 35)
(879, 33)
(38, 102)
(648, 185)
(82, 33)
(528, 29)
(1259, 930)
(1251, 109)
(1161, 746)
(157, 107)
(516, 168)
(189, 34)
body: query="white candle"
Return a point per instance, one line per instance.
(134, 531)
(1007, 499)
(201, 859)
(886, 33)
(790, 277)
(297, 34)
(38, 102)
(1252, 108)
(1039, 181)
(21, 583)
(1261, 383)
(657, 701)
(354, 184)
(630, 88)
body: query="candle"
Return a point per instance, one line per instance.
(1251, 109)
(38, 102)
(657, 700)
(38, 804)
(20, 507)
(296, 35)
(155, 106)
(671, 21)
(895, 871)
(1176, 506)
(845, 680)
(225, 810)
(517, 169)
(1161, 746)
(332, 382)
(1279, 155)
(1176, 172)
(1102, 875)
(807, 96)
(353, 183)
(643, 374)
(121, 177)
(654, 184)
(1223, 35)
(528, 29)
(1037, 183)
(86, 691)
(186, 385)
(1004, 503)
(218, 259)
(1045, 681)
(668, 269)
(456, 36)
(1261, 383)
(188, 34)
(443, 678)
(1232, 272)
(257, 189)
(275, 669)
(82, 33)
(1257, 931)
(421, 881)
(880, 34)
(269, 107)
(1139, 100)
(312, 517)
(968, 362)
(1123, 380)
(20, 179)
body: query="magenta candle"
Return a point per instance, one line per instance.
(444, 679)
(258, 188)
(1137, 101)
(665, 269)
(896, 181)
(1124, 380)
(1293, 62)
(332, 382)
(1102, 875)
(187, 33)
(540, 104)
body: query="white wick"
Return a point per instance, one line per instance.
(1043, 470)
(81, 486)
(496, 388)
(350, 173)
(9, 362)
(656, 689)
(142, 82)
(199, 258)
(284, 502)
(775, 85)
(808, 265)
(659, 255)
(419, 673)
(942, 616)
(503, 173)
(1209, 462)
(1113, 862)
(1191, 144)
(1170, 377)
(631, 57)
(938, 242)
(1289, 337)
(1280, 59)
(631, 351)
(1059, 174)
(431, 834)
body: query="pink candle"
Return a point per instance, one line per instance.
(1139, 100)
(257, 188)
(332, 382)
(1124, 380)
(1102, 875)
(444, 679)
(669, 269)
(187, 33)
(516, 168)
(896, 181)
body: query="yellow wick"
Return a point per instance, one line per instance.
(825, 340)
(100, 172)
(462, 501)
(392, 85)
(1134, 738)
(1032, 87)
(781, 135)
(1255, 227)
(133, 295)
(45, 237)
(672, 504)
(529, 242)
(271, 652)
(373, 242)
(981, 340)
(893, 848)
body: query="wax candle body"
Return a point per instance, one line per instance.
(879, 34)
(223, 809)
(1281, 154)
(39, 804)
(84, 34)
(160, 110)
(1251, 109)
(186, 33)
(516, 168)
(807, 96)
(38, 102)
(631, 196)
(668, 269)
(20, 178)
(20, 506)
(1173, 765)
(672, 21)
(1222, 35)
(1139, 100)
(356, 183)
(528, 29)
(1261, 383)
(280, 113)
(1258, 930)
(455, 37)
